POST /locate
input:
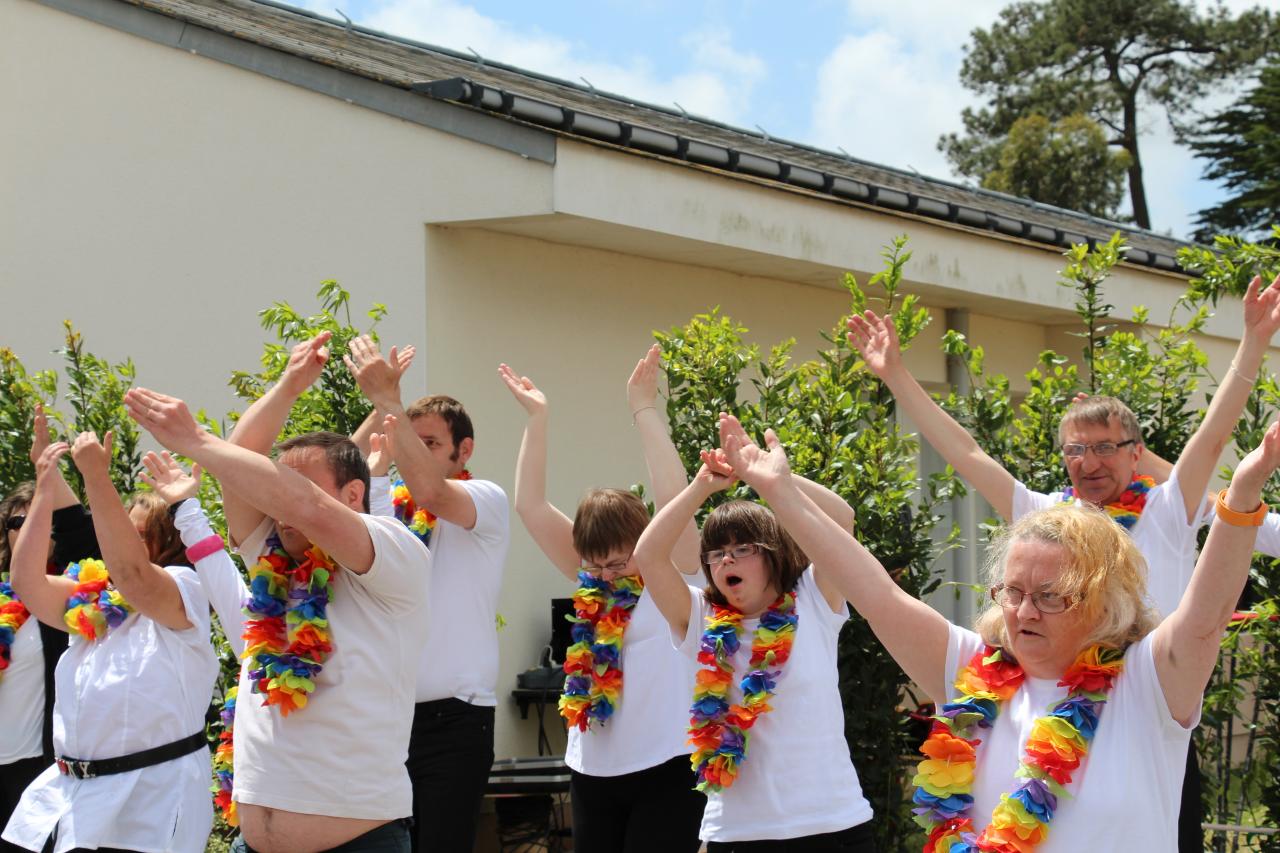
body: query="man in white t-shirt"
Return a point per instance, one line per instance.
(1101, 446)
(331, 772)
(451, 750)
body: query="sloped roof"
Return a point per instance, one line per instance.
(589, 114)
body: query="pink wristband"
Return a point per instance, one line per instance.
(209, 545)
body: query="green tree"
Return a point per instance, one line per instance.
(1103, 59)
(20, 391)
(1242, 148)
(1066, 163)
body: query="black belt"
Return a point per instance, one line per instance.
(108, 766)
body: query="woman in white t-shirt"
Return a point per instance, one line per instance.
(767, 720)
(132, 769)
(1067, 725)
(631, 787)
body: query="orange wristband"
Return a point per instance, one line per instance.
(1240, 519)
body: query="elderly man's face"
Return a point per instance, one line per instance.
(1100, 479)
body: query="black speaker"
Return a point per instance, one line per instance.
(561, 608)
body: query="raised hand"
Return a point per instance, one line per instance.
(1262, 310)
(39, 433)
(756, 467)
(1258, 465)
(47, 462)
(716, 474)
(170, 480)
(92, 457)
(642, 387)
(876, 340)
(306, 363)
(404, 357)
(378, 377)
(380, 452)
(522, 388)
(165, 417)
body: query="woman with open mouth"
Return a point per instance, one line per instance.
(1064, 718)
(766, 724)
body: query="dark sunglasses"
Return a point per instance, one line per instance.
(14, 522)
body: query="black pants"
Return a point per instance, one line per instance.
(652, 809)
(450, 755)
(855, 839)
(389, 838)
(1190, 835)
(14, 779)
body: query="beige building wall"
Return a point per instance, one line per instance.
(161, 199)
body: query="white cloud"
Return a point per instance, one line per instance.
(716, 83)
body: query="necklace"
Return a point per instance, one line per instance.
(1127, 508)
(13, 615)
(1054, 749)
(95, 606)
(593, 664)
(286, 631)
(719, 732)
(224, 760)
(420, 521)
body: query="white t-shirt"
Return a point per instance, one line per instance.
(22, 696)
(1162, 533)
(649, 722)
(222, 581)
(1268, 534)
(797, 779)
(461, 655)
(343, 754)
(141, 686)
(1127, 792)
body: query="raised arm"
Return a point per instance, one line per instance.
(914, 633)
(221, 580)
(272, 488)
(147, 587)
(363, 436)
(1199, 459)
(426, 476)
(662, 578)
(877, 340)
(45, 596)
(550, 528)
(666, 472)
(1186, 644)
(258, 427)
(63, 497)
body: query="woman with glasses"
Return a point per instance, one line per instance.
(626, 692)
(131, 769)
(1064, 718)
(29, 649)
(766, 721)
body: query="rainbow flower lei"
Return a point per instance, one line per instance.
(420, 521)
(95, 606)
(223, 761)
(720, 732)
(13, 615)
(1057, 743)
(1126, 509)
(593, 664)
(287, 628)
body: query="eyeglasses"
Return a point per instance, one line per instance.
(737, 552)
(14, 522)
(1102, 448)
(1010, 598)
(616, 566)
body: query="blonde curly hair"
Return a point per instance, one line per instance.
(1104, 573)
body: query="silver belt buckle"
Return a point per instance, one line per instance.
(85, 771)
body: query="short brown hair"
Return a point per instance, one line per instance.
(608, 519)
(1100, 411)
(19, 498)
(1103, 571)
(450, 411)
(159, 533)
(340, 452)
(745, 522)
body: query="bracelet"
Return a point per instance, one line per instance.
(1236, 371)
(638, 411)
(1240, 519)
(206, 546)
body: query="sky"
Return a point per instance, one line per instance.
(877, 78)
